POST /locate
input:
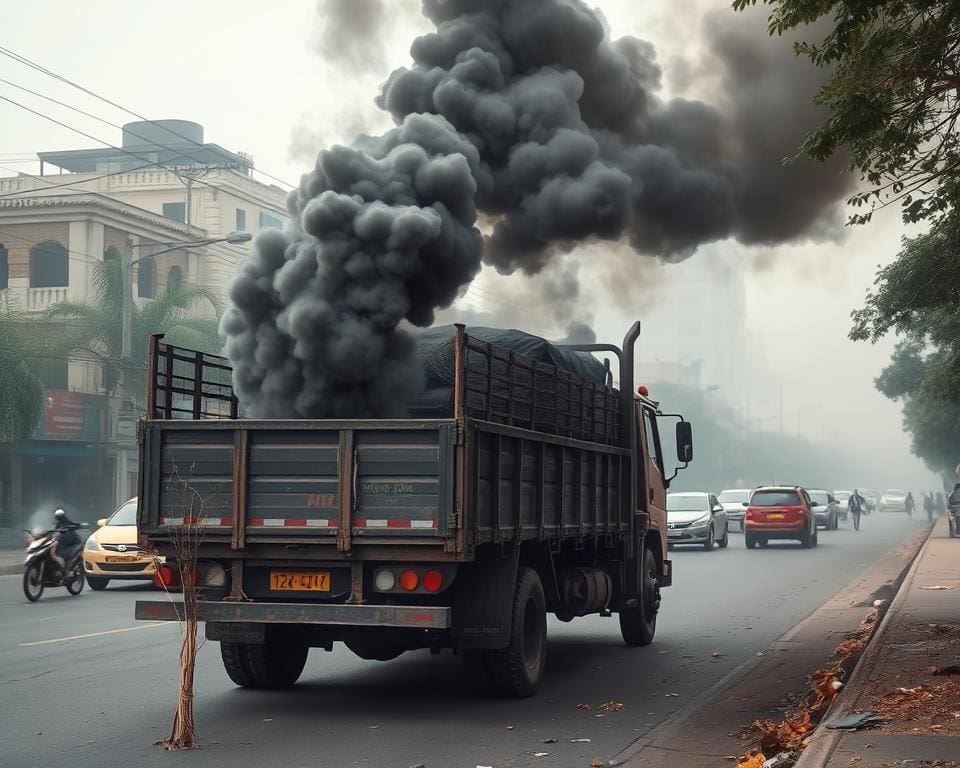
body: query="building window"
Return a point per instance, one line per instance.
(112, 253)
(4, 268)
(241, 220)
(147, 278)
(49, 266)
(176, 211)
(174, 278)
(266, 220)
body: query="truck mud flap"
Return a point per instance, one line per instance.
(484, 601)
(411, 616)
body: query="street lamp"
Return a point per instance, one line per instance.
(126, 316)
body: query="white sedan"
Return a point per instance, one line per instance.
(696, 518)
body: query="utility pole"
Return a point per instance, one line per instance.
(186, 212)
(781, 410)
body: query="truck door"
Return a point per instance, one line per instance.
(653, 494)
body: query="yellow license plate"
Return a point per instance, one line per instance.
(293, 581)
(120, 558)
(776, 516)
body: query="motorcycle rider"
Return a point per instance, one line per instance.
(856, 504)
(67, 540)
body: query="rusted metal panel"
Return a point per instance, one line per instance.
(410, 616)
(346, 478)
(240, 455)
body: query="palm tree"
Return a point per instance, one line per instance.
(21, 385)
(95, 328)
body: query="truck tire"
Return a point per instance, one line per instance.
(515, 671)
(639, 625)
(275, 664)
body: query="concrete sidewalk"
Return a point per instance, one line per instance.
(895, 679)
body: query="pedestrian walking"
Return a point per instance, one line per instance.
(909, 504)
(928, 505)
(856, 504)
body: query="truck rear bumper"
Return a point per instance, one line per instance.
(409, 616)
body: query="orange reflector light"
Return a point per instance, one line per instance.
(432, 581)
(409, 580)
(642, 390)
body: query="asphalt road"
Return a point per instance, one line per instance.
(82, 684)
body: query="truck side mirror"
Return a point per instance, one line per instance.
(684, 442)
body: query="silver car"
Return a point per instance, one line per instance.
(696, 518)
(732, 502)
(893, 500)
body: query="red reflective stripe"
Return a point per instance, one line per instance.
(255, 521)
(295, 522)
(359, 523)
(398, 523)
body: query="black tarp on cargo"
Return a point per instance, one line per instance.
(552, 401)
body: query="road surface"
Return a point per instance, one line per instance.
(82, 684)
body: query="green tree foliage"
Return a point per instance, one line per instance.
(914, 377)
(95, 329)
(918, 297)
(891, 97)
(21, 387)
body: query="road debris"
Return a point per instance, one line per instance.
(584, 707)
(540, 754)
(610, 706)
(856, 722)
(550, 741)
(597, 763)
(579, 741)
(952, 669)
(510, 727)
(752, 760)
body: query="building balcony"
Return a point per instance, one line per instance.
(40, 299)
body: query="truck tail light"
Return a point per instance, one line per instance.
(409, 580)
(166, 576)
(432, 581)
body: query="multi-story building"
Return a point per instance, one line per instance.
(162, 187)
(696, 335)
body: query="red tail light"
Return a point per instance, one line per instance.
(166, 576)
(432, 581)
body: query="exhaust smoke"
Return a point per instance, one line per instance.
(525, 110)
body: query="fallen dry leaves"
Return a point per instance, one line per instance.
(752, 760)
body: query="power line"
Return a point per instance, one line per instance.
(40, 68)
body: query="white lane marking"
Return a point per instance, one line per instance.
(99, 634)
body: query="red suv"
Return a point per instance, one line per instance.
(779, 512)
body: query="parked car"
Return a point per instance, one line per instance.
(732, 502)
(113, 552)
(843, 503)
(826, 508)
(893, 500)
(779, 512)
(696, 518)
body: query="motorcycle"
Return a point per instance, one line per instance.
(40, 570)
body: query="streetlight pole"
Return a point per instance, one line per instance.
(126, 313)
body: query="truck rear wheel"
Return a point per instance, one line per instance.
(515, 671)
(639, 625)
(277, 663)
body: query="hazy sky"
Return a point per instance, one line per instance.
(273, 81)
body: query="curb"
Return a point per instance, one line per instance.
(823, 742)
(11, 570)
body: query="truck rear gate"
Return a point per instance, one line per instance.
(251, 481)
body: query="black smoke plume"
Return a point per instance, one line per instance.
(523, 109)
